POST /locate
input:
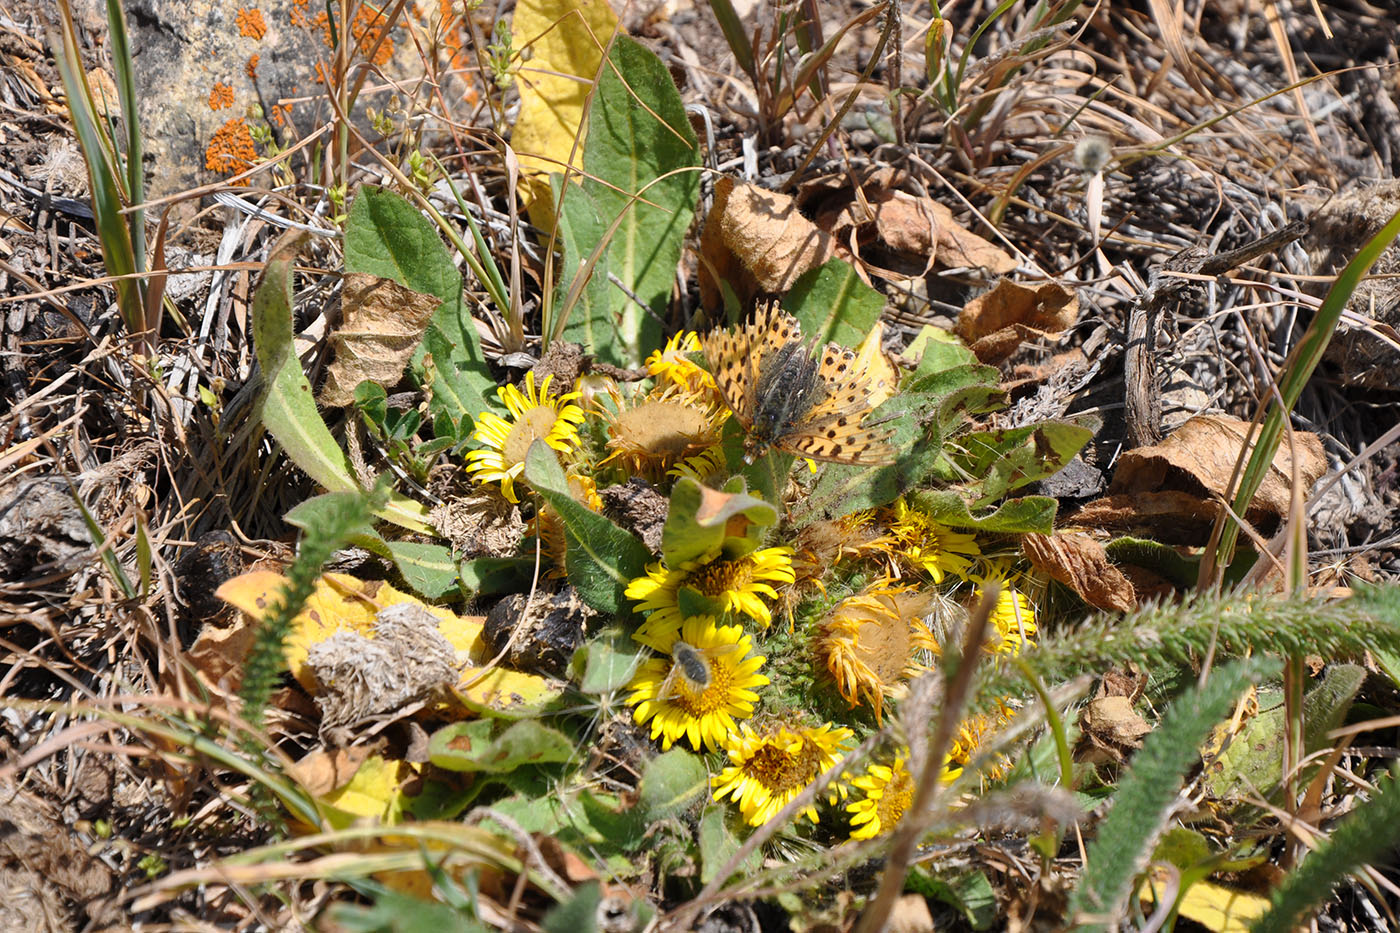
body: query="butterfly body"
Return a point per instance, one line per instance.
(805, 400)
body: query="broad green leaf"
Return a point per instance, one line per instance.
(969, 893)
(671, 782)
(605, 663)
(287, 408)
(1013, 517)
(702, 523)
(1167, 562)
(638, 132)
(1007, 459)
(718, 843)
(601, 558)
(1252, 763)
(488, 576)
(590, 320)
(833, 304)
(470, 746)
(386, 236)
(937, 350)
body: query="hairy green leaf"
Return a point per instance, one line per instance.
(636, 160)
(470, 746)
(601, 558)
(833, 304)
(671, 782)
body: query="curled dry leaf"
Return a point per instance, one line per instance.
(1080, 562)
(994, 324)
(382, 323)
(756, 242)
(1175, 490)
(1111, 728)
(913, 227)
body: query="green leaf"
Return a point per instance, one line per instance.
(470, 746)
(833, 304)
(638, 132)
(586, 305)
(1007, 459)
(937, 350)
(1145, 794)
(605, 663)
(969, 893)
(488, 576)
(702, 523)
(1253, 761)
(386, 236)
(671, 782)
(1162, 559)
(393, 912)
(718, 843)
(428, 568)
(287, 409)
(601, 558)
(1013, 517)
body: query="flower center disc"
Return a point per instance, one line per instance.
(533, 425)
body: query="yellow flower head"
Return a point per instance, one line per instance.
(889, 790)
(768, 769)
(720, 586)
(700, 686)
(916, 539)
(1012, 623)
(655, 434)
(872, 643)
(534, 415)
(705, 466)
(671, 365)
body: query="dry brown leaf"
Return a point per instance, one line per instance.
(1170, 516)
(1199, 457)
(218, 652)
(382, 323)
(756, 242)
(1080, 562)
(1111, 728)
(322, 772)
(959, 246)
(910, 914)
(994, 324)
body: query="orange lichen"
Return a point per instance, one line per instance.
(231, 150)
(251, 23)
(252, 67)
(365, 28)
(297, 13)
(220, 96)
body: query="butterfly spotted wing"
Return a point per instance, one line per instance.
(784, 396)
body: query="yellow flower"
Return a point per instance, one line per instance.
(672, 365)
(1012, 623)
(969, 737)
(534, 415)
(888, 793)
(707, 465)
(700, 686)
(872, 643)
(655, 434)
(916, 539)
(720, 586)
(767, 770)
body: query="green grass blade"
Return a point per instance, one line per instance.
(1297, 370)
(117, 251)
(733, 28)
(119, 44)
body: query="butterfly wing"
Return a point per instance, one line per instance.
(833, 430)
(736, 359)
